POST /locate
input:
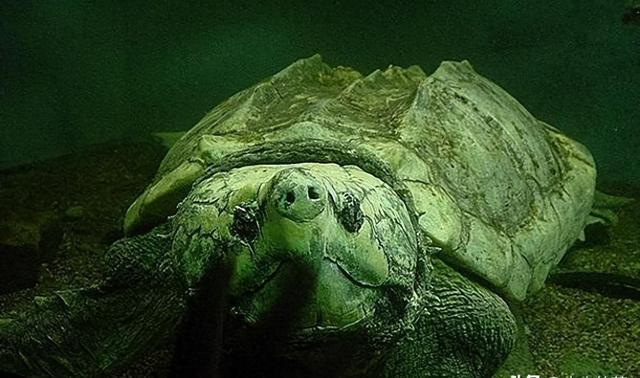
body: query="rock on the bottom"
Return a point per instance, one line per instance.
(26, 241)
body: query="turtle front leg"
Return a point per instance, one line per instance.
(91, 331)
(467, 331)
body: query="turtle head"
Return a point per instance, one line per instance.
(313, 247)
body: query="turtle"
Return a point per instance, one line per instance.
(327, 223)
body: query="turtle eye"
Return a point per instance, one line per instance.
(245, 222)
(350, 215)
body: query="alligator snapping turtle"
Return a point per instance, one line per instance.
(326, 223)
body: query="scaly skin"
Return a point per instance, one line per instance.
(92, 331)
(323, 274)
(465, 330)
(468, 333)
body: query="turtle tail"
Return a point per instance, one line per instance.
(605, 208)
(604, 263)
(603, 215)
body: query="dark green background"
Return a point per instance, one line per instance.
(80, 72)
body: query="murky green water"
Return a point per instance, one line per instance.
(83, 85)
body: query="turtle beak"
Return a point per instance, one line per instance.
(297, 195)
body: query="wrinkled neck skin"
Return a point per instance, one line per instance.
(323, 261)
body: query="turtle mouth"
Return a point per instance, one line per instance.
(306, 304)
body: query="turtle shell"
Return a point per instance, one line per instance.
(501, 193)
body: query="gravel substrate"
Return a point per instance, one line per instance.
(591, 331)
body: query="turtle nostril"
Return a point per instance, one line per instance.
(312, 193)
(290, 198)
(297, 195)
